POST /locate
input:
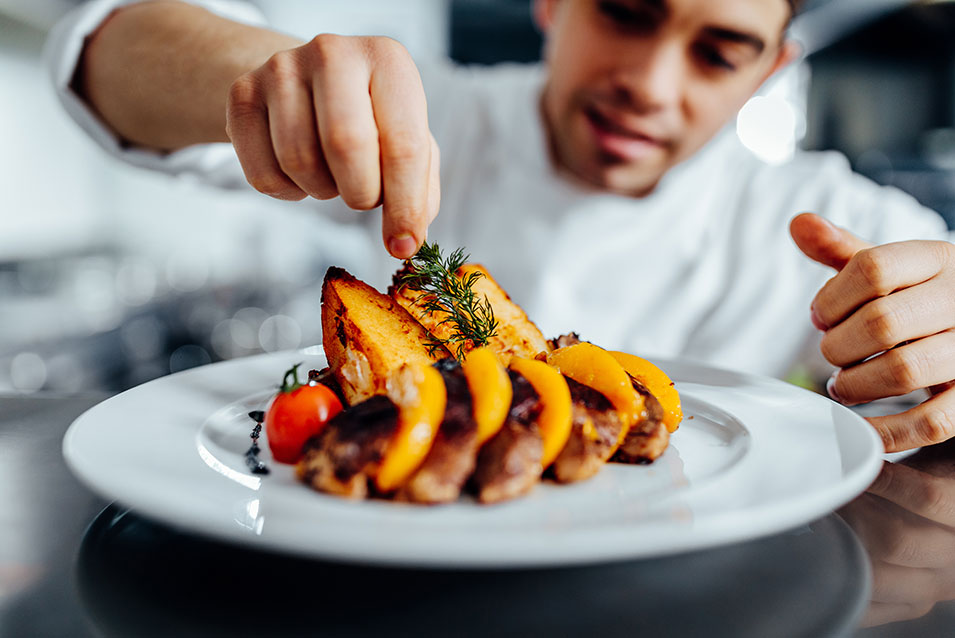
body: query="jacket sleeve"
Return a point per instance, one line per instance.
(215, 164)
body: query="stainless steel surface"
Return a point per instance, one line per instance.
(44, 515)
(129, 576)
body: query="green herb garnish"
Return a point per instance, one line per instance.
(472, 319)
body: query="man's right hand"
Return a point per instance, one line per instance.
(341, 116)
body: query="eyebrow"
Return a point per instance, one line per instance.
(658, 6)
(721, 33)
(739, 37)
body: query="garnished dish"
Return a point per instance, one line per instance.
(752, 456)
(444, 386)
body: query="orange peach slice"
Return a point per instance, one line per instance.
(491, 391)
(418, 391)
(555, 418)
(658, 383)
(595, 368)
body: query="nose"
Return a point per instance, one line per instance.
(651, 77)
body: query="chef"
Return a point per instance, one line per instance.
(602, 187)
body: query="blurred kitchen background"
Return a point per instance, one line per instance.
(111, 276)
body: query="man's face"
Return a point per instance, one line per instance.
(637, 86)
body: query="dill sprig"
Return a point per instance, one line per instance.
(472, 319)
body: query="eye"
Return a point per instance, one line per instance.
(625, 16)
(711, 56)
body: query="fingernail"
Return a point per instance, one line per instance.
(816, 321)
(402, 246)
(831, 388)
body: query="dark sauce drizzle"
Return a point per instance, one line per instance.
(255, 465)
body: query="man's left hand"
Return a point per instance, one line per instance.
(889, 321)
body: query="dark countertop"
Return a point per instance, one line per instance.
(73, 565)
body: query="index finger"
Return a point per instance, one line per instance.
(877, 272)
(930, 422)
(401, 113)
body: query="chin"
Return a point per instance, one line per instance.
(589, 165)
(629, 181)
(630, 186)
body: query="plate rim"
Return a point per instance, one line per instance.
(771, 519)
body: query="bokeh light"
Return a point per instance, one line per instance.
(767, 126)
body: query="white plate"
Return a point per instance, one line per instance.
(753, 456)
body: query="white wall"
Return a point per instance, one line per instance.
(420, 25)
(49, 182)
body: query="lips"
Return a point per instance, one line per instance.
(614, 137)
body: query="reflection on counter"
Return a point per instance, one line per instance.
(906, 521)
(137, 577)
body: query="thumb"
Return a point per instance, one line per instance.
(824, 242)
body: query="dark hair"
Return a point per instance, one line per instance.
(794, 5)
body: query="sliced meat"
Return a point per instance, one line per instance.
(594, 432)
(647, 440)
(454, 452)
(510, 463)
(342, 457)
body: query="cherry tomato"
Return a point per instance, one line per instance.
(297, 413)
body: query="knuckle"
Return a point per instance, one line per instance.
(282, 66)
(243, 101)
(386, 47)
(244, 90)
(363, 197)
(405, 146)
(827, 348)
(946, 251)
(327, 47)
(941, 251)
(345, 141)
(882, 324)
(932, 500)
(936, 426)
(885, 482)
(875, 265)
(905, 369)
(898, 546)
(401, 219)
(298, 160)
(325, 193)
(890, 439)
(269, 183)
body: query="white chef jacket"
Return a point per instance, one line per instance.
(702, 269)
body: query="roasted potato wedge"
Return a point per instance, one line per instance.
(517, 335)
(367, 336)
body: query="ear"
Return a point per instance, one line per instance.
(544, 14)
(789, 51)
